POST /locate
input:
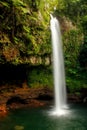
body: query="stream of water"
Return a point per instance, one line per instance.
(58, 68)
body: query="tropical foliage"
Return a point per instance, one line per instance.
(25, 33)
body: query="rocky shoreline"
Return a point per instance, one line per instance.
(32, 97)
(24, 97)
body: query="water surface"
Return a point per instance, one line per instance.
(39, 119)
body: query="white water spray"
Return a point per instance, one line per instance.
(58, 67)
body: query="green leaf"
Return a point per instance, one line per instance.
(4, 4)
(18, 3)
(25, 10)
(26, 29)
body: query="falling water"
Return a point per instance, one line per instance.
(58, 67)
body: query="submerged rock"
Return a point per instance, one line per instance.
(18, 127)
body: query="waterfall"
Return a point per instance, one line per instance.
(58, 67)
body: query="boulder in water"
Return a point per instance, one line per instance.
(19, 127)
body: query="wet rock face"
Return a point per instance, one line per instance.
(3, 109)
(74, 98)
(26, 97)
(84, 95)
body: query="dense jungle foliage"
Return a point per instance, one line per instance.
(25, 39)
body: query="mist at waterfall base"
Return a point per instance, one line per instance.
(58, 69)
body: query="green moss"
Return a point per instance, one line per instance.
(40, 77)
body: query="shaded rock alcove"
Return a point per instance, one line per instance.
(15, 99)
(15, 102)
(12, 74)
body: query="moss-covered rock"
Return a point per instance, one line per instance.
(25, 30)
